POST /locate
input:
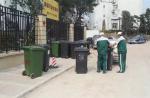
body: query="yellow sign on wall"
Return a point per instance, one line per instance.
(51, 9)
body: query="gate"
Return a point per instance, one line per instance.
(16, 29)
(57, 30)
(78, 32)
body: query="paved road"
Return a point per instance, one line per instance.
(134, 83)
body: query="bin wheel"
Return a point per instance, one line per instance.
(24, 73)
(46, 69)
(32, 76)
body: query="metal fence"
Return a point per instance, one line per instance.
(78, 32)
(57, 30)
(16, 29)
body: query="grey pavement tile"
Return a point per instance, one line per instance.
(4, 96)
(14, 70)
(11, 89)
(13, 84)
(16, 79)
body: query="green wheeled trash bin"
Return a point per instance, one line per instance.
(55, 48)
(33, 59)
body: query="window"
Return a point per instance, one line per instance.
(114, 26)
(103, 6)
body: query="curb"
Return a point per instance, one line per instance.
(22, 95)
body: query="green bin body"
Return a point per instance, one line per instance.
(55, 49)
(33, 59)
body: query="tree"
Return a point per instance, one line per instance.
(34, 6)
(127, 22)
(142, 27)
(70, 10)
(136, 24)
(145, 22)
(73, 10)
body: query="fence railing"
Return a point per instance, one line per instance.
(57, 30)
(16, 29)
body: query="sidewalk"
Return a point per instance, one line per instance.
(14, 85)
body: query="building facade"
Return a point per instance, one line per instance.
(107, 15)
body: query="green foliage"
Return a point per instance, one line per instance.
(73, 9)
(147, 19)
(145, 22)
(127, 22)
(34, 6)
(142, 28)
(76, 8)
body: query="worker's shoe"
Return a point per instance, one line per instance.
(98, 71)
(104, 72)
(109, 69)
(120, 72)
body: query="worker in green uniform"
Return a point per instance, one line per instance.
(122, 51)
(102, 48)
(110, 54)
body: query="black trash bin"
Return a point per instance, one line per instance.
(81, 59)
(45, 58)
(64, 49)
(75, 44)
(82, 43)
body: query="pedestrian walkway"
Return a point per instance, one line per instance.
(134, 83)
(14, 85)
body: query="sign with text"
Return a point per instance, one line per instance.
(51, 9)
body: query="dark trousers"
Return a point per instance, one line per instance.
(109, 60)
(102, 62)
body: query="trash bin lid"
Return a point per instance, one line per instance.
(73, 42)
(81, 42)
(55, 42)
(44, 46)
(84, 49)
(64, 41)
(32, 48)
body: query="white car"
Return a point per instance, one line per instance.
(112, 42)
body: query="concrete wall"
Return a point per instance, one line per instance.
(40, 30)
(71, 32)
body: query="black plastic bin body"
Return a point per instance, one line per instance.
(81, 60)
(45, 58)
(64, 49)
(76, 44)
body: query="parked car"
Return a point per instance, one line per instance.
(91, 33)
(138, 39)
